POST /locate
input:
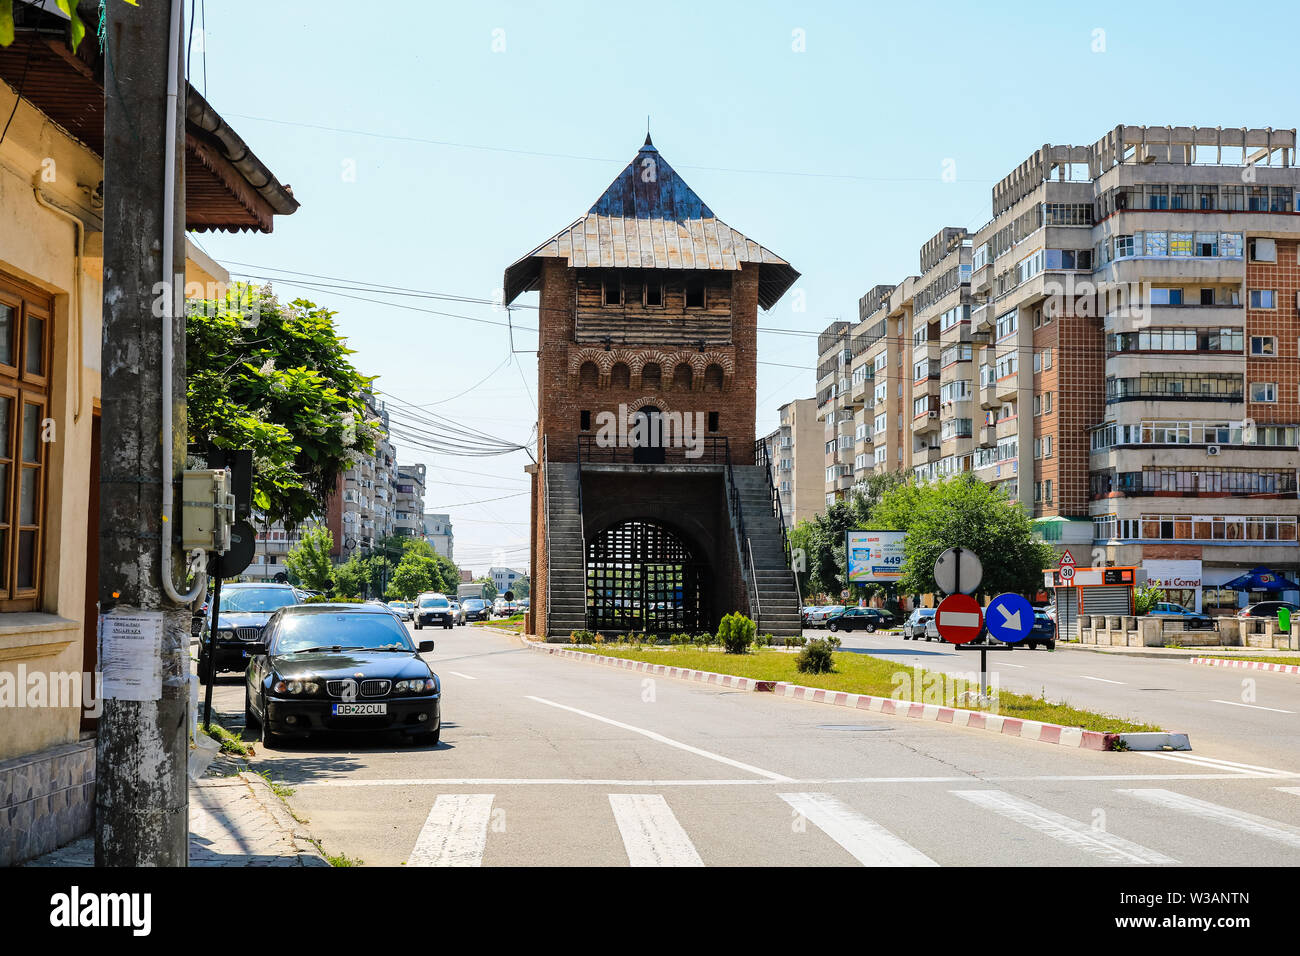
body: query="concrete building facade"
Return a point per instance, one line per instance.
(438, 532)
(1117, 349)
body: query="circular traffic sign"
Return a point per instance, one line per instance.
(1066, 572)
(958, 571)
(1009, 618)
(959, 619)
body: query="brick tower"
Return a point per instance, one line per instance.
(649, 512)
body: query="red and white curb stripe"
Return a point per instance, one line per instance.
(1248, 665)
(1074, 737)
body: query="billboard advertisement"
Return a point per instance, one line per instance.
(874, 556)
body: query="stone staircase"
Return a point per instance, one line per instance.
(565, 585)
(778, 599)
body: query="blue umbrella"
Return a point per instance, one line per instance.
(1261, 579)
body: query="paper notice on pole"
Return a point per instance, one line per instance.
(130, 654)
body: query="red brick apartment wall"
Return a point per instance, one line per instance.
(1077, 381)
(1282, 322)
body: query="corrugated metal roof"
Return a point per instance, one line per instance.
(649, 218)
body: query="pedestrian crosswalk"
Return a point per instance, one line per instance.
(459, 828)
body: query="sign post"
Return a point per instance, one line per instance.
(959, 618)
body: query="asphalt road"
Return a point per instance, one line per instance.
(551, 761)
(1250, 715)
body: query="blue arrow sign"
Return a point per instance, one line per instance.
(1009, 618)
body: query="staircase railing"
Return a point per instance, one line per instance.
(736, 508)
(757, 609)
(582, 538)
(763, 459)
(546, 507)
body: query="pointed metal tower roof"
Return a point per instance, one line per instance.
(649, 218)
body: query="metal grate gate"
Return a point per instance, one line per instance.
(642, 577)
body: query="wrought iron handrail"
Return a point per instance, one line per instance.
(758, 594)
(546, 506)
(764, 460)
(582, 535)
(714, 450)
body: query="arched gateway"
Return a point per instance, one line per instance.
(641, 576)
(650, 512)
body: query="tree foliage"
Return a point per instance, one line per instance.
(309, 559)
(936, 515)
(965, 512)
(276, 378)
(421, 569)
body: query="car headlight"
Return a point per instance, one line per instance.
(225, 633)
(418, 686)
(298, 688)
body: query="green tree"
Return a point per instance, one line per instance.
(964, 511)
(415, 573)
(489, 589)
(276, 378)
(350, 577)
(309, 559)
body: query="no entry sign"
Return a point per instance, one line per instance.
(959, 619)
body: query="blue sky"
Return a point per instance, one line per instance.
(432, 144)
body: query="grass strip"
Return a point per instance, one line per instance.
(863, 674)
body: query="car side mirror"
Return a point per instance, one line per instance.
(426, 647)
(256, 648)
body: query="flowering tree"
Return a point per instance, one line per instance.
(276, 378)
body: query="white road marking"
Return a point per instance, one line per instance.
(1102, 679)
(1294, 791)
(1005, 664)
(748, 768)
(867, 841)
(1212, 764)
(1225, 764)
(1239, 819)
(459, 674)
(455, 833)
(1063, 829)
(1234, 703)
(815, 782)
(651, 834)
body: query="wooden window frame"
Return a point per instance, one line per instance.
(24, 387)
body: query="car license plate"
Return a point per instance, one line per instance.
(360, 710)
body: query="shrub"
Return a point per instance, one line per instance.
(817, 657)
(582, 637)
(736, 633)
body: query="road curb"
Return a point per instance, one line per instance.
(308, 853)
(1073, 737)
(1246, 665)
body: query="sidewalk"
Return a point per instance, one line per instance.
(235, 820)
(1177, 653)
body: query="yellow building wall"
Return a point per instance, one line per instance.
(39, 246)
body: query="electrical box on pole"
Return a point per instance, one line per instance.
(207, 510)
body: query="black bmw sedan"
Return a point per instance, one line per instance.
(340, 667)
(245, 609)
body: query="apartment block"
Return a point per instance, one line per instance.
(794, 453)
(408, 506)
(362, 510)
(1125, 328)
(438, 532)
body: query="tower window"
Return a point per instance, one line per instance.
(613, 292)
(654, 294)
(586, 420)
(713, 421)
(695, 296)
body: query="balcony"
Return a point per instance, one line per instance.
(1007, 388)
(928, 422)
(987, 435)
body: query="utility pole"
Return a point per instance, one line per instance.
(141, 800)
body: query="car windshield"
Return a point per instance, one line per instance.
(255, 600)
(349, 630)
(433, 602)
